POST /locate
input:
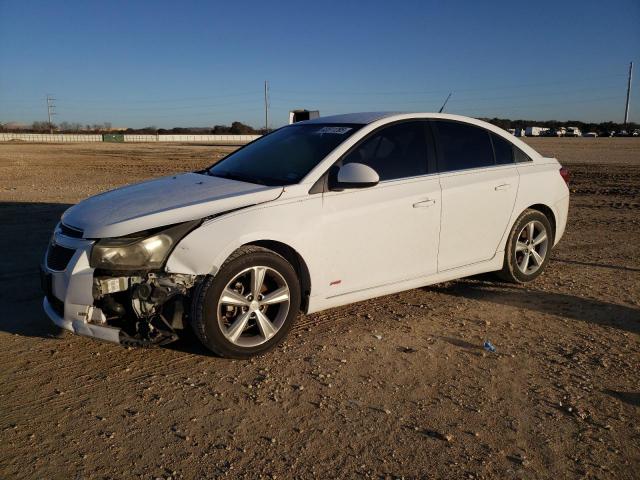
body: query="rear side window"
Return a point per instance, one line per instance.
(463, 146)
(503, 150)
(397, 151)
(520, 156)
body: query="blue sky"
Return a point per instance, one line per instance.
(193, 63)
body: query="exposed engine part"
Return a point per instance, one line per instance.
(141, 291)
(107, 285)
(148, 308)
(147, 298)
(95, 315)
(113, 308)
(153, 332)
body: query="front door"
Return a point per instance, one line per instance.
(387, 233)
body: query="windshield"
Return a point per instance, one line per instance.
(285, 156)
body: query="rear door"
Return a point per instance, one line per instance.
(389, 232)
(479, 183)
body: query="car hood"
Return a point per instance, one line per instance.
(163, 201)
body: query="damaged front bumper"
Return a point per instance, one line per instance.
(82, 327)
(127, 310)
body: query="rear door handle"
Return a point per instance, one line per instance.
(424, 203)
(504, 186)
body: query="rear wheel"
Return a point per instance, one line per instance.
(249, 306)
(528, 248)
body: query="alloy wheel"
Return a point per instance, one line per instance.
(532, 245)
(253, 306)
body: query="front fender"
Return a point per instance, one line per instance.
(293, 223)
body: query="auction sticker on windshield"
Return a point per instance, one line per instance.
(338, 130)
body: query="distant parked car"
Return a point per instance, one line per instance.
(572, 132)
(590, 134)
(315, 215)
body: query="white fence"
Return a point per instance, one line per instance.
(225, 139)
(49, 138)
(67, 138)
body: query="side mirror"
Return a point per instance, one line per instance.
(353, 175)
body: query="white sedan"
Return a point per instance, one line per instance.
(315, 215)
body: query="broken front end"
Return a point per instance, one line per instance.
(116, 289)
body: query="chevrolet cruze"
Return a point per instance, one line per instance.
(315, 215)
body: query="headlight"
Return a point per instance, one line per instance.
(144, 250)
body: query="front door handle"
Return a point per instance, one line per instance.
(504, 186)
(424, 203)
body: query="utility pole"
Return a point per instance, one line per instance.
(266, 106)
(626, 107)
(50, 111)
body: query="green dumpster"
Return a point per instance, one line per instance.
(113, 137)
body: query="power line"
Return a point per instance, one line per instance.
(601, 88)
(154, 108)
(444, 91)
(163, 100)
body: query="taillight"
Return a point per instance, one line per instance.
(564, 173)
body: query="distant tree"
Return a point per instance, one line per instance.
(240, 128)
(42, 127)
(237, 128)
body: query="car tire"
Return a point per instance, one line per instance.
(525, 258)
(234, 317)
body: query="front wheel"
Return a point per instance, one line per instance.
(249, 306)
(528, 248)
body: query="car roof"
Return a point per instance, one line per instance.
(360, 118)
(381, 118)
(366, 118)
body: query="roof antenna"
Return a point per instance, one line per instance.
(445, 102)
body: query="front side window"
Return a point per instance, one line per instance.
(285, 156)
(462, 146)
(394, 152)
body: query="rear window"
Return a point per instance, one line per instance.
(462, 146)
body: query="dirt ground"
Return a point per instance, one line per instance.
(396, 387)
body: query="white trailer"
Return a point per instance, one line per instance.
(573, 132)
(534, 131)
(302, 115)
